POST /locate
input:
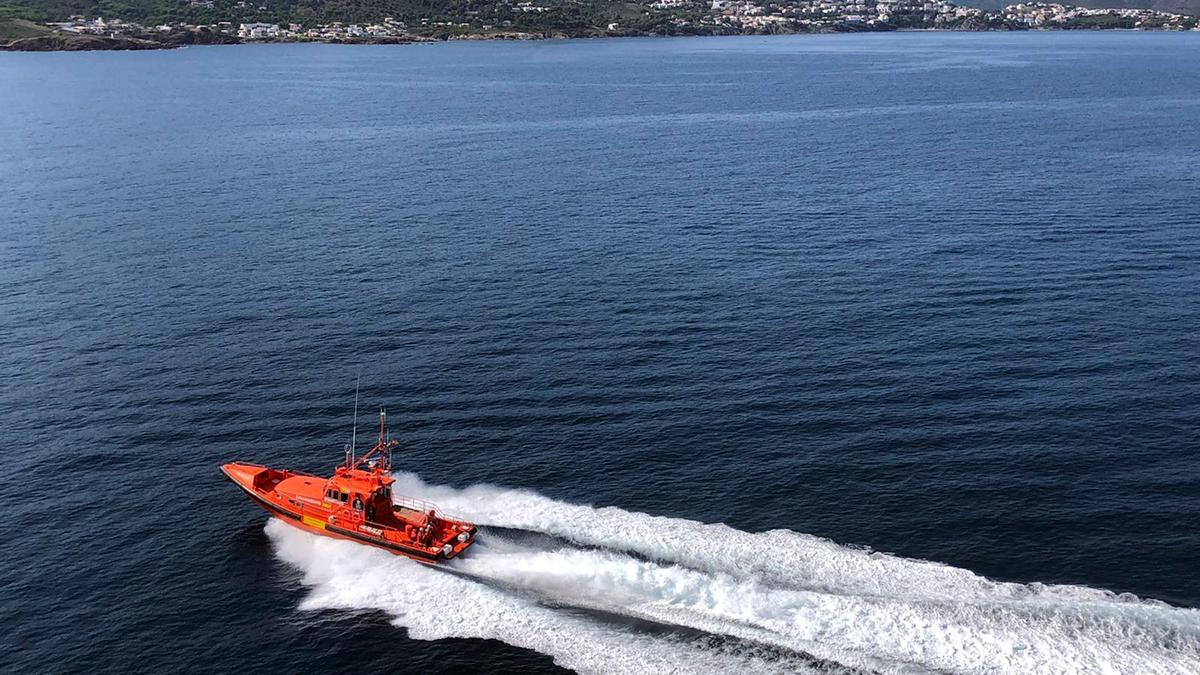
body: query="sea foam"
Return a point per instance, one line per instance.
(780, 600)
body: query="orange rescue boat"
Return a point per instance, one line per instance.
(356, 503)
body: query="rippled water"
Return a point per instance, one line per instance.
(929, 294)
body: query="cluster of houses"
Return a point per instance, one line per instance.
(1049, 15)
(886, 14)
(97, 26)
(337, 30)
(816, 14)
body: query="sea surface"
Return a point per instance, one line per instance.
(766, 354)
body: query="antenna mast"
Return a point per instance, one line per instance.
(383, 439)
(354, 433)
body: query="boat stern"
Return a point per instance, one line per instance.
(458, 548)
(461, 538)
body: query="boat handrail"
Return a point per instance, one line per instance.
(264, 466)
(421, 506)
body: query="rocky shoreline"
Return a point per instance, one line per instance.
(62, 42)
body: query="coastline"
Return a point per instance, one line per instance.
(203, 36)
(66, 42)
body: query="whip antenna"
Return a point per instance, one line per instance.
(354, 432)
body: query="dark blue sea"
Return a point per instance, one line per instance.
(861, 353)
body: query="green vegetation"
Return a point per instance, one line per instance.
(564, 14)
(1102, 21)
(481, 16)
(16, 29)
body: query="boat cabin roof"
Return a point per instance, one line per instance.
(360, 481)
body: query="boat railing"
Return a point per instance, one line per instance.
(420, 506)
(263, 466)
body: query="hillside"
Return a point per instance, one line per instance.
(1176, 6)
(565, 14)
(574, 17)
(18, 29)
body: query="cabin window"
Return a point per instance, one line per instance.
(343, 497)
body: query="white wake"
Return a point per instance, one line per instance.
(779, 601)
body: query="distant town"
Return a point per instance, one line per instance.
(537, 19)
